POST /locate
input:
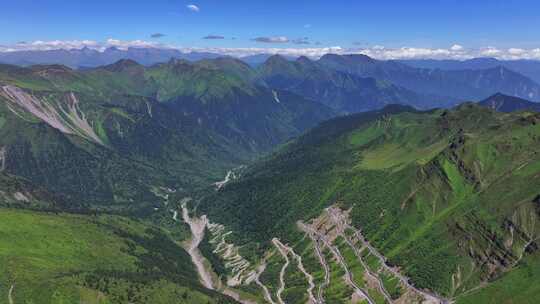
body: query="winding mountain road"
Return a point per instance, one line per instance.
(430, 297)
(337, 254)
(267, 295)
(301, 267)
(282, 272)
(322, 261)
(341, 224)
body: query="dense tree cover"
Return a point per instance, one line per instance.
(414, 180)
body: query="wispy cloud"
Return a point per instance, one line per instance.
(278, 39)
(303, 40)
(193, 8)
(213, 37)
(307, 26)
(157, 35)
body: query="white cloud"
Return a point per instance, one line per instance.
(193, 8)
(457, 48)
(516, 51)
(296, 52)
(40, 45)
(377, 52)
(490, 52)
(123, 44)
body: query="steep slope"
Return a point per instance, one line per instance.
(448, 196)
(107, 136)
(451, 85)
(341, 91)
(504, 103)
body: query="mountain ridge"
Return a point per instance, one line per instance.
(504, 103)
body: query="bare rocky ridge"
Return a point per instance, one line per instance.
(69, 121)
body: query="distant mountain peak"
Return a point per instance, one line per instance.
(122, 65)
(51, 67)
(304, 59)
(112, 49)
(505, 103)
(356, 58)
(178, 61)
(276, 59)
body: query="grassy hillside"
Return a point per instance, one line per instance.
(449, 195)
(61, 258)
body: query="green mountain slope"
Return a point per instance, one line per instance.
(107, 136)
(449, 196)
(342, 91)
(61, 258)
(453, 85)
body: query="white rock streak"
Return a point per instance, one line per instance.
(197, 226)
(230, 175)
(10, 295)
(69, 121)
(41, 110)
(78, 120)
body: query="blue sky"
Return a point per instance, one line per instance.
(429, 24)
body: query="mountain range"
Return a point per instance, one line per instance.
(177, 122)
(90, 58)
(339, 180)
(435, 82)
(462, 85)
(529, 68)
